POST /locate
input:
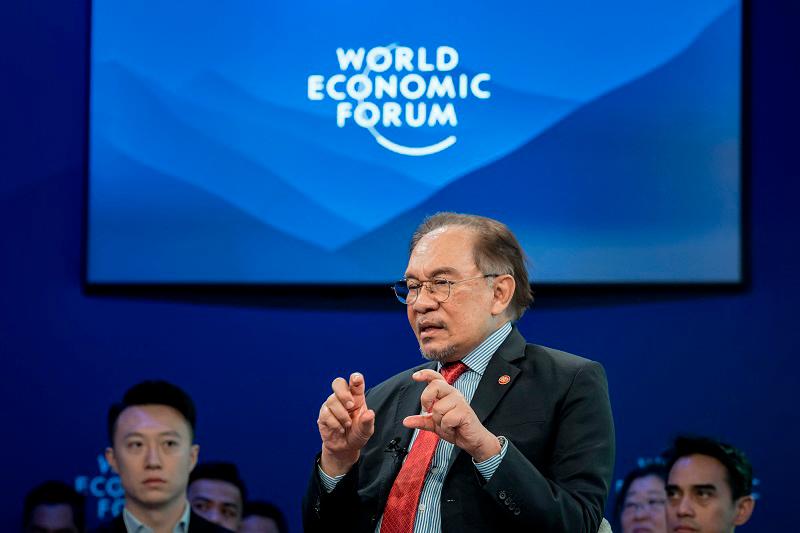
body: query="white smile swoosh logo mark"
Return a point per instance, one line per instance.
(414, 151)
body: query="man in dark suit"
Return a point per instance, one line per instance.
(151, 433)
(511, 436)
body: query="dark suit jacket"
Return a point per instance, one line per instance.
(555, 477)
(197, 524)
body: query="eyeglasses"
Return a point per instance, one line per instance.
(649, 506)
(407, 290)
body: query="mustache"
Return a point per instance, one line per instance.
(428, 323)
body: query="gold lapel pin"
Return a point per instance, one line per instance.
(504, 379)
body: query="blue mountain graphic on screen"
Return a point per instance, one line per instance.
(619, 172)
(189, 234)
(649, 169)
(156, 137)
(274, 162)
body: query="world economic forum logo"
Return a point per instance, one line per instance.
(104, 487)
(391, 87)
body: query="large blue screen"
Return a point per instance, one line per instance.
(280, 142)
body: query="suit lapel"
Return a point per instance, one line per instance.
(490, 391)
(407, 405)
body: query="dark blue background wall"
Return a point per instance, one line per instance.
(718, 363)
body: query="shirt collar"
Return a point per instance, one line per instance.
(478, 359)
(134, 525)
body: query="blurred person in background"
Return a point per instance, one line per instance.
(53, 507)
(263, 517)
(217, 493)
(640, 506)
(709, 486)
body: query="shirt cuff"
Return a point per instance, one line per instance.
(328, 482)
(488, 467)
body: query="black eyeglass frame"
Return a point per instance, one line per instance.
(401, 286)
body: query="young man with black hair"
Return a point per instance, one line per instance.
(709, 489)
(217, 493)
(53, 507)
(151, 434)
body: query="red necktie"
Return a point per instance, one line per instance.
(401, 507)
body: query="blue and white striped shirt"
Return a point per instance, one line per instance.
(429, 516)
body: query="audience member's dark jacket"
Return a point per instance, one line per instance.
(197, 524)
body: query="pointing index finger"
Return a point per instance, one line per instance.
(357, 388)
(427, 375)
(420, 422)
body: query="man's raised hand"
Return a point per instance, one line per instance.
(448, 414)
(345, 425)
